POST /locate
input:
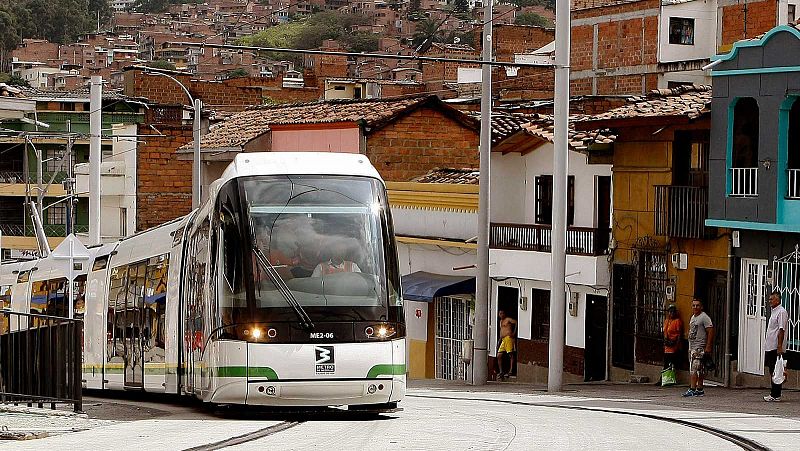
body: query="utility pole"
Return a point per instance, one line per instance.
(558, 305)
(197, 170)
(481, 330)
(69, 183)
(95, 122)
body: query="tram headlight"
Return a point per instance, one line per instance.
(255, 333)
(380, 331)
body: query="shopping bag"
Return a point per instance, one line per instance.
(668, 377)
(779, 375)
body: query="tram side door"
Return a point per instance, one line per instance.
(134, 353)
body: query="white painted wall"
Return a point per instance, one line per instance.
(452, 225)
(435, 259)
(704, 13)
(575, 325)
(697, 77)
(509, 185)
(581, 269)
(513, 185)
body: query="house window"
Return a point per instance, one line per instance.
(544, 199)
(744, 148)
(57, 214)
(357, 92)
(791, 12)
(681, 31)
(540, 314)
(52, 160)
(793, 152)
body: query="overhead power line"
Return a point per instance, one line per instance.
(355, 54)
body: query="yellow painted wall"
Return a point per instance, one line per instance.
(417, 359)
(638, 167)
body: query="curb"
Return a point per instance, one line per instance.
(8, 408)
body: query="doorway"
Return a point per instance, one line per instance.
(508, 302)
(596, 324)
(752, 316)
(452, 328)
(624, 316)
(711, 287)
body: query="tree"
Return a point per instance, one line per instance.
(236, 73)
(426, 32)
(533, 19)
(160, 64)
(461, 7)
(14, 80)
(360, 41)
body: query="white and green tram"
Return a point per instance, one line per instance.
(282, 289)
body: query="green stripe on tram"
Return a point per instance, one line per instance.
(386, 370)
(264, 372)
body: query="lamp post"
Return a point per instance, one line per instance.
(197, 105)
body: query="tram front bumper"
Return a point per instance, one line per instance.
(325, 392)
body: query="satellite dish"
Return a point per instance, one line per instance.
(456, 40)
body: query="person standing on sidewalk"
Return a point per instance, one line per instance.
(775, 343)
(673, 330)
(508, 332)
(701, 340)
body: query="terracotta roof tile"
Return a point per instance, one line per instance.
(689, 101)
(542, 126)
(504, 124)
(464, 176)
(243, 127)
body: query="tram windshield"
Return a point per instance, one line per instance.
(325, 239)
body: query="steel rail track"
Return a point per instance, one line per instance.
(743, 442)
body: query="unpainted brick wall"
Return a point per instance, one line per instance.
(165, 91)
(536, 352)
(163, 183)
(747, 20)
(419, 142)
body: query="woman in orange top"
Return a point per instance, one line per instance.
(673, 330)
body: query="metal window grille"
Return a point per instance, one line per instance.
(786, 279)
(744, 182)
(452, 328)
(651, 293)
(793, 188)
(57, 214)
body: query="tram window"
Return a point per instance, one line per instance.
(100, 263)
(5, 303)
(39, 291)
(115, 321)
(23, 276)
(57, 303)
(155, 308)
(79, 297)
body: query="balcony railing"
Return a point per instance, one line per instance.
(681, 211)
(744, 182)
(19, 177)
(49, 229)
(793, 185)
(534, 237)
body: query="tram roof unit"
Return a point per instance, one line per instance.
(298, 163)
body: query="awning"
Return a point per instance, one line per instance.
(424, 286)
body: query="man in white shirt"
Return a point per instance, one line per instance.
(775, 344)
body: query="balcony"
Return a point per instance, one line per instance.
(19, 177)
(681, 211)
(533, 237)
(744, 182)
(793, 184)
(52, 230)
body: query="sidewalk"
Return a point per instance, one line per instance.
(24, 423)
(740, 400)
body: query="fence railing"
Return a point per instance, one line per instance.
(681, 211)
(40, 359)
(19, 177)
(793, 184)
(744, 182)
(49, 229)
(535, 237)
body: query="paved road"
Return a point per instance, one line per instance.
(433, 418)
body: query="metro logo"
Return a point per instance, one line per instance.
(324, 360)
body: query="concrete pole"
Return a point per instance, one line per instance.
(558, 305)
(95, 150)
(70, 179)
(197, 170)
(480, 332)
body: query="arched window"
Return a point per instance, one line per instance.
(793, 152)
(744, 149)
(745, 133)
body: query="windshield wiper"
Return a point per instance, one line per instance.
(280, 284)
